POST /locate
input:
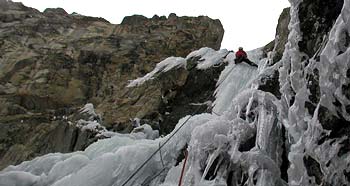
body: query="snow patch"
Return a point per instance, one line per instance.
(164, 66)
(207, 58)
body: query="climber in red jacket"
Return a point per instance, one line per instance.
(241, 56)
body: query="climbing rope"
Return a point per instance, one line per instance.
(183, 168)
(154, 153)
(167, 140)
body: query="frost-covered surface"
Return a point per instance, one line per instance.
(335, 63)
(92, 122)
(291, 77)
(305, 131)
(164, 66)
(236, 78)
(222, 138)
(93, 125)
(145, 131)
(207, 58)
(89, 109)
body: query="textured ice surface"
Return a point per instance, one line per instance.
(236, 78)
(305, 131)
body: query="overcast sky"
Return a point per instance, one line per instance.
(247, 23)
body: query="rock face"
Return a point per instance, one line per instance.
(281, 34)
(277, 45)
(316, 20)
(52, 63)
(269, 82)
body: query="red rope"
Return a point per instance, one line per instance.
(183, 168)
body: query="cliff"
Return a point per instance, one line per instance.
(52, 63)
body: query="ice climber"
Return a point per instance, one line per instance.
(241, 56)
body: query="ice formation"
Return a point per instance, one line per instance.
(235, 78)
(207, 58)
(240, 143)
(305, 131)
(92, 121)
(89, 109)
(164, 66)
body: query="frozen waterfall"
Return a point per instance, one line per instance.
(235, 78)
(243, 142)
(111, 161)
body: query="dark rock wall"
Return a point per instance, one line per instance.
(37, 136)
(316, 19)
(52, 63)
(194, 97)
(281, 34)
(277, 45)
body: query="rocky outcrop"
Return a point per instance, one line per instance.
(282, 32)
(162, 98)
(270, 82)
(52, 63)
(277, 45)
(23, 141)
(316, 20)
(194, 97)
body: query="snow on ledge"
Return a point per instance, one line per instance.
(164, 66)
(208, 58)
(89, 109)
(93, 122)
